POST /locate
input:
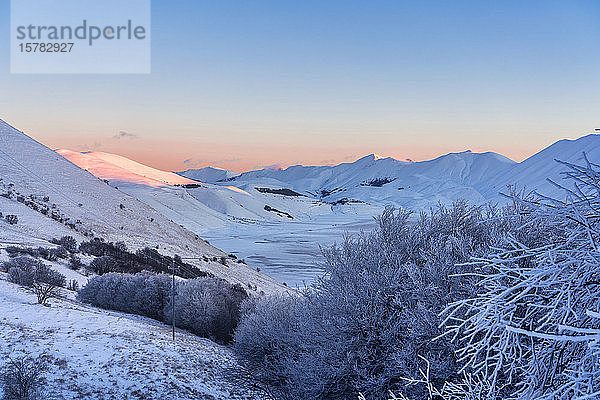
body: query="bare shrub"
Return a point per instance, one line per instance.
(23, 378)
(73, 285)
(44, 281)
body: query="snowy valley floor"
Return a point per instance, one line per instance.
(288, 251)
(100, 354)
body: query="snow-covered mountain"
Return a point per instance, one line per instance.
(534, 172)
(53, 197)
(208, 174)
(118, 168)
(276, 219)
(384, 181)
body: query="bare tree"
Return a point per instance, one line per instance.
(47, 284)
(23, 378)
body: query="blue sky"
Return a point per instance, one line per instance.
(247, 84)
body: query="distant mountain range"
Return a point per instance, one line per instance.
(208, 198)
(477, 177)
(278, 218)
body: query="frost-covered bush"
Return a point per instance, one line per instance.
(266, 333)
(533, 330)
(143, 294)
(32, 273)
(362, 327)
(23, 379)
(21, 270)
(50, 254)
(21, 262)
(208, 307)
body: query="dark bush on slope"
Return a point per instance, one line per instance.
(209, 307)
(75, 263)
(21, 270)
(362, 328)
(147, 259)
(105, 264)
(68, 242)
(50, 254)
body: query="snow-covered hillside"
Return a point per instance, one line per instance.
(105, 355)
(52, 197)
(115, 167)
(534, 172)
(208, 174)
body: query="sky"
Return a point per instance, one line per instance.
(245, 85)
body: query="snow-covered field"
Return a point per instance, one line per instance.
(98, 354)
(288, 251)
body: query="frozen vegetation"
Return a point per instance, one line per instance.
(466, 303)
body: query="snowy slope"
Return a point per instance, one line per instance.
(208, 174)
(98, 354)
(197, 206)
(118, 168)
(92, 207)
(532, 173)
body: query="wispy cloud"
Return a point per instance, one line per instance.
(125, 135)
(89, 146)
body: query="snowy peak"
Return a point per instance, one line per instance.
(116, 168)
(370, 157)
(208, 174)
(532, 173)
